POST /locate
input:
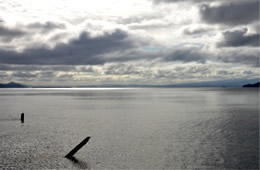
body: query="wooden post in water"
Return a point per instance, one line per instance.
(22, 117)
(78, 147)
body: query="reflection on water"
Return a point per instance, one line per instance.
(130, 128)
(78, 163)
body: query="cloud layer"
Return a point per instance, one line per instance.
(128, 42)
(85, 50)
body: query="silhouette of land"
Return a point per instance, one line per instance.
(12, 85)
(216, 83)
(252, 85)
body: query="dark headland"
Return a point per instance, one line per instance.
(252, 85)
(12, 85)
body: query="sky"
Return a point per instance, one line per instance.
(145, 42)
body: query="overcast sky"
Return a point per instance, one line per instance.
(86, 42)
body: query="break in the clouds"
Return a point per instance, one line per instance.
(80, 42)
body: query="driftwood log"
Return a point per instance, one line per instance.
(78, 147)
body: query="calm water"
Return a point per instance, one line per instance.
(130, 128)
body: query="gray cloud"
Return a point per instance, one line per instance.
(186, 55)
(46, 75)
(88, 69)
(46, 27)
(200, 70)
(248, 57)
(10, 33)
(13, 67)
(224, 73)
(122, 69)
(3, 75)
(235, 13)
(24, 74)
(183, 72)
(248, 72)
(64, 77)
(239, 38)
(84, 50)
(244, 58)
(59, 36)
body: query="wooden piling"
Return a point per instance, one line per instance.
(78, 147)
(22, 117)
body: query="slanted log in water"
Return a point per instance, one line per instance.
(78, 147)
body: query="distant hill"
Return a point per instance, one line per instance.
(252, 85)
(12, 85)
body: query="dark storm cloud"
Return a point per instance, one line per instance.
(10, 33)
(234, 13)
(186, 55)
(46, 27)
(239, 38)
(80, 51)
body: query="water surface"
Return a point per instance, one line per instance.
(211, 128)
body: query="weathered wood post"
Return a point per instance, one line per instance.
(22, 117)
(78, 147)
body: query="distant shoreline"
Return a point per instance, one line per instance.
(187, 85)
